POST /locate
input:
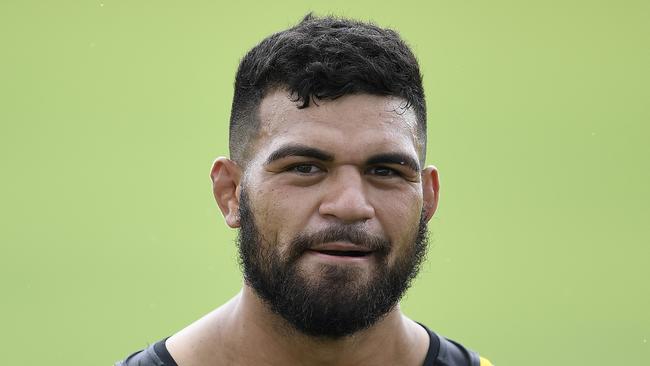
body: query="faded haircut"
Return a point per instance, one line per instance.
(324, 58)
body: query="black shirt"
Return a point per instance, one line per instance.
(441, 352)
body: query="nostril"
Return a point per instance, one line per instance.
(346, 197)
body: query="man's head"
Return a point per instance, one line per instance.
(328, 186)
(324, 58)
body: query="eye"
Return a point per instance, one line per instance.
(383, 171)
(305, 169)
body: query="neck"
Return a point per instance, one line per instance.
(246, 331)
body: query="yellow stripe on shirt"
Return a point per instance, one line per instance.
(485, 362)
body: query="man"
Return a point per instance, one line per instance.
(327, 185)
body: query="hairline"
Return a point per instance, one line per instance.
(255, 123)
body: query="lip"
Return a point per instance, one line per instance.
(341, 246)
(324, 257)
(320, 252)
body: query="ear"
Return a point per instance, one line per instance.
(226, 176)
(430, 190)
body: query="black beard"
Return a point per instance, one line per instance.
(336, 304)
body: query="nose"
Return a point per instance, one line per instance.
(345, 197)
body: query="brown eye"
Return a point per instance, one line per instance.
(383, 171)
(305, 169)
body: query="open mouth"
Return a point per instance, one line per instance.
(344, 253)
(338, 251)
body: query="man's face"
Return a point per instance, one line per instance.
(331, 206)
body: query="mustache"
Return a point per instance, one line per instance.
(350, 233)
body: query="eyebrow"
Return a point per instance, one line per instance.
(394, 158)
(299, 150)
(312, 152)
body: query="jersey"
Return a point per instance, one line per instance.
(442, 352)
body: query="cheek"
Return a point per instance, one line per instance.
(399, 215)
(282, 213)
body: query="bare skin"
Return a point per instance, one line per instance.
(244, 332)
(356, 183)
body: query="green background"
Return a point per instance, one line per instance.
(112, 112)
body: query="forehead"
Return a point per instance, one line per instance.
(351, 125)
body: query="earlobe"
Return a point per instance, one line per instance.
(226, 177)
(430, 190)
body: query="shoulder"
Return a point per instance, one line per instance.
(485, 362)
(150, 356)
(145, 357)
(452, 353)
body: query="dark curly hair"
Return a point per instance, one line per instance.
(324, 58)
